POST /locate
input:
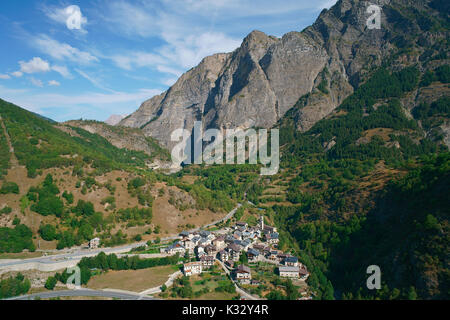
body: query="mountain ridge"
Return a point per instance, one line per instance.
(255, 85)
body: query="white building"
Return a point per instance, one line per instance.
(94, 243)
(192, 268)
(289, 272)
(243, 274)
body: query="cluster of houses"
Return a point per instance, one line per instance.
(259, 243)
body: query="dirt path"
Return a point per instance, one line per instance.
(13, 160)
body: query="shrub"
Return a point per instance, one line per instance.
(9, 187)
(50, 283)
(6, 210)
(48, 232)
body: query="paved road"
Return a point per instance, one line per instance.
(73, 256)
(84, 293)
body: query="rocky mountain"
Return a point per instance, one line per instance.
(256, 85)
(114, 119)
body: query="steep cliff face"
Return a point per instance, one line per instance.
(255, 85)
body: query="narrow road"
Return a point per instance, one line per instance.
(227, 217)
(84, 293)
(168, 284)
(243, 293)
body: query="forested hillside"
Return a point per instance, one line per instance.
(66, 185)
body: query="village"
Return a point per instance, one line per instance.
(226, 247)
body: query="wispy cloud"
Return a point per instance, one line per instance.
(102, 104)
(140, 59)
(95, 81)
(36, 82)
(63, 71)
(5, 76)
(62, 51)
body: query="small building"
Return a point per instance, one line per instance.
(176, 248)
(245, 244)
(207, 261)
(234, 251)
(269, 229)
(211, 250)
(253, 255)
(223, 255)
(273, 255)
(192, 268)
(94, 243)
(272, 238)
(196, 239)
(243, 225)
(204, 233)
(303, 271)
(184, 234)
(200, 250)
(255, 283)
(204, 242)
(219, 242)
(229, 239)
(243, 274)
(188, 244)
(291, 261)
(289, 272)
(259, 247)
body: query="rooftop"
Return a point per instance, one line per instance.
(289, 269)
(243, 268)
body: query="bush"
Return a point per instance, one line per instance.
(17, 239)
(9, 187)
(50, 283)
(6, 210)
(13, 287)
(49, 206)
(68, 196)
(48, 232)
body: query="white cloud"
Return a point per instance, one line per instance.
(62, 70)
(17, 74)
(35, 65)
(37, 82)
(4, 76)
(54, 83)
(71, 16)
(62, 51)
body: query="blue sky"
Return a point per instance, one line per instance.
(90, 59)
